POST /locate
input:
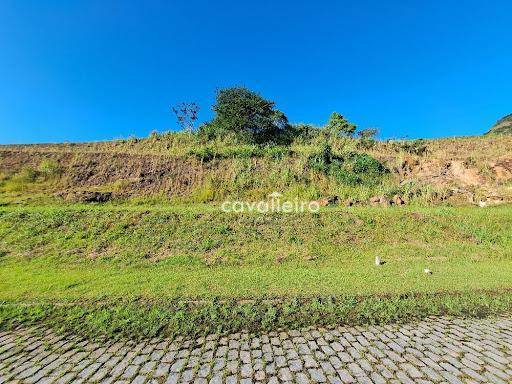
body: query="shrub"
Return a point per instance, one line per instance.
(339, 126)
(241, 151)
(50, 168)
(208, 153)
(302, 133)
(367, 138)
(19, 181)
(367, 133)
(323, 160)
(346, 177)
(364, 163)
(415, 147)
(210, 131)
(352, 169)
(186, 114)
(202, 153)
(277, 152)
(26, 175)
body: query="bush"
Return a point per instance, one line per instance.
(367, 138)
(414, 147)
(277, 152)
(346, 177)
(302, 133)
(19, 181)
(352, 169)
(209, 131)
(202, 153)
(323, 160)
(364, 163)
(50, 168)
(339, 126)
(367, 133)
(26, 175)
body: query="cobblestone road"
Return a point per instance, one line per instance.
(437, 350)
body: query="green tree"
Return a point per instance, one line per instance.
(339, 126)
(248, 115)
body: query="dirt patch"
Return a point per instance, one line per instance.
(87, 196)
(502, 169)
(130, 174)
(460, 173)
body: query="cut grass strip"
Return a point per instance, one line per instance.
(41, 281)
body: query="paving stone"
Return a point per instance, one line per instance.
(139, 380)
(178, 365)
(130, 371)
(310, 362)
(163, 369)
(317, 376)
(285, 374)
(302, 378)
(216, 379)
(246, 370)
(435, 350)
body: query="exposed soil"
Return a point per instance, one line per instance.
(469, 174)
(134, 174)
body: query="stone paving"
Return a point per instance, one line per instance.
(436, 350)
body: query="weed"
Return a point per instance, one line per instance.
(49, 168)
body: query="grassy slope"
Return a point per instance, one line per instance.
(171, 166)
(202, 252)
(92, 255)
(126, 269)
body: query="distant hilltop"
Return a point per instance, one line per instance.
(502, 127)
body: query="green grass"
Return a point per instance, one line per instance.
(37, 281)
(136, 319)
(148, 269)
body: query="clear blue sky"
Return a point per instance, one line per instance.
(94, 70)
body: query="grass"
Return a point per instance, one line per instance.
(129, 269)
(43, 282)
(162, 259)
(142, 318)
(204, 236)
(183, 168)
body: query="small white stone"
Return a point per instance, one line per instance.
(427, 271)
(377, 260)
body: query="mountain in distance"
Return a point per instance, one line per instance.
(502, 127)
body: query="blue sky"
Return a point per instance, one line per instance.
(95, 70)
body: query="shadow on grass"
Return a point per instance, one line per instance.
(141, 318)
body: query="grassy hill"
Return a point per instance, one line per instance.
(128, 238)
(502, 127)
(176, 168)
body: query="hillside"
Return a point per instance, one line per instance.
(127, 238)
(502, 127)
(175, 168)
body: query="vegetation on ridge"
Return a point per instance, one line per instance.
(502, 126)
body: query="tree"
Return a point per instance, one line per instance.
(248, 115)
(339, 126)
(186, 113)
